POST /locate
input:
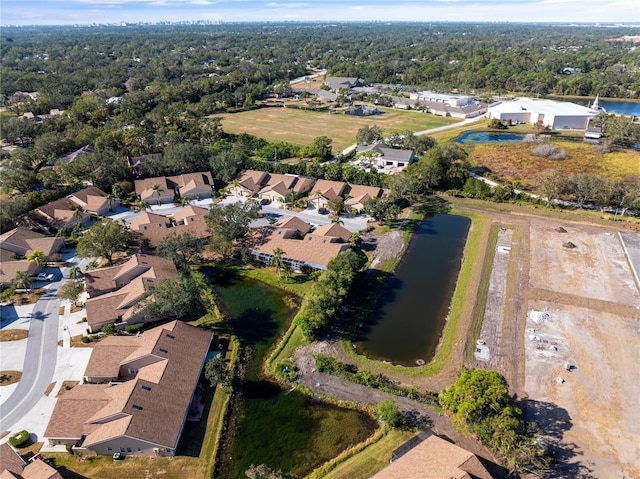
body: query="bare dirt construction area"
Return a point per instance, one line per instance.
(582, 349)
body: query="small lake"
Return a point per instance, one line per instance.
(476, 137)
(409, 317)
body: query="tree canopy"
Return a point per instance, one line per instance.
(104, 238)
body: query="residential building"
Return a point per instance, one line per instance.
(556, 115)
(325, 190)
(136, 162)
(436, 458)
(358, 195)
(61, 213)
(387, 156)
(94, 200)
(339, 83)
(68, 158)
(334, 230)
(12, 466)
(155, 227)
(114, 292)
(16, 245)
(249, 183)
(144, 407)
(300, 246)
(165, 189)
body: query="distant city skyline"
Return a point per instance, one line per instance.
(70, 12)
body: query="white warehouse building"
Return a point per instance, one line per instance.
(557, 115)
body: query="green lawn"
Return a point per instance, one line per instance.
(301, 127)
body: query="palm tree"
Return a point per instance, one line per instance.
(142, 205)
(234, 186)
(184, 201)
(338, 221)
(318, 195)
(73, 272)
(78, 213)
(157, 189)
(23, 280)
(37, 256)
(111, 198)
(277, 260)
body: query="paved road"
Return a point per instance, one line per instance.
(40, 358)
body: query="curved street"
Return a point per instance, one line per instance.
(39, 361)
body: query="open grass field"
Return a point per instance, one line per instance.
(514, 161)
(301, 127)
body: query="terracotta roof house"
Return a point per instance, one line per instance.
(12, 466)
(61, 213)
(144, 409)
(156, 190)
(194, 185)
(189, 185)
(278, 187)
(313, 250)
(294, 223)
(250, 182)
(435, 458)
(93, 200)
(114, 291)
(18, 243)
(325, 190)
(359, 194)
(155, 227)
(333, 230)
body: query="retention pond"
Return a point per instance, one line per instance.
(407, 321)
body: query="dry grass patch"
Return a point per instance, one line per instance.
(31, 450)
(66, 386)
(13, 334)
(9, 377)
(104, 467)
(301, 127)
(50, 388)
(515, 161)
(76, 342)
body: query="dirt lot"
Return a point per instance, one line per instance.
(593, 324)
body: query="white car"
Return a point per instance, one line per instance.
(45, 277)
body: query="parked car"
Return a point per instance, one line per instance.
(265, 201)
(45, 277)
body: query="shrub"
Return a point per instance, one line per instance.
(133, 328)
(550, 152)
(109, 329)
(69, 448)
(20, 439)
(86, 339)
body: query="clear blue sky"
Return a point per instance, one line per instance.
(59, 12)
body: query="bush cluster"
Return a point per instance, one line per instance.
(330, 365)
(550, 152)
(20, 439)
(133, 328)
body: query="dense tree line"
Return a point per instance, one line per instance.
(325, 298)
(207, 68)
